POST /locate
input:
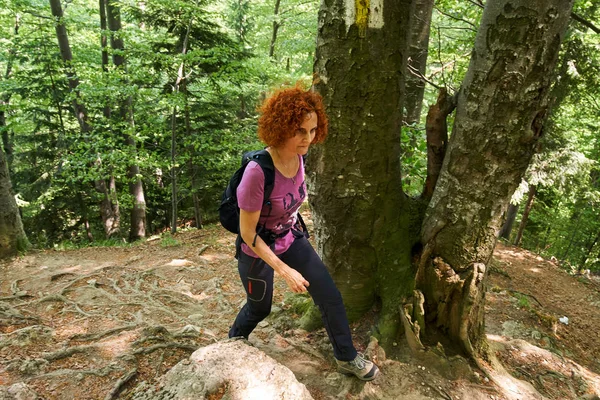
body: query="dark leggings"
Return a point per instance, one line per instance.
(257, 278)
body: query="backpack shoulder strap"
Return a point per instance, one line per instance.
(263, 158)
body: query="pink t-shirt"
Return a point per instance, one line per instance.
(286, 198)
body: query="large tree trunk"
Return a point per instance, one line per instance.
(525, 217)
(359, 209)
(12, 235)
(138, 212)
(108, 217)
(500, 113)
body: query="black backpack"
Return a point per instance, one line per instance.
(229, 212)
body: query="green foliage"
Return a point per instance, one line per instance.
(565, 220)
(227, 71)
(453, 28)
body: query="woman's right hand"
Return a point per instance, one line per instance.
(294, 279)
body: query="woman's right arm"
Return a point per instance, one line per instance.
(248, 224)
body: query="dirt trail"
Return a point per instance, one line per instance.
(82, 324)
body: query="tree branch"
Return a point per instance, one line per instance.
(585, 22)
(474, 28)
(414, 71)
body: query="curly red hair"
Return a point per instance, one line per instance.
(285, 110)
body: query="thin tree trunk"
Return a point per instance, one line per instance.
(417, 60)
(574, 223)
(5, 99)
(136, 189)
(104, 45)
(178, 82)
(67, 57)
(496, 130)
(276, 26)
(525, 218)
(590, 247)
(192, 166)
(84, 217)
(507, 227)
(437, 139)
(174, 170)
(78, 108)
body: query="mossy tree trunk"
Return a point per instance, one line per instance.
(359, 209)
(500, 113)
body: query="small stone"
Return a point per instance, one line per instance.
(263, 324)
(395, 344)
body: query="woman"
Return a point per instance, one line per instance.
(291, 121)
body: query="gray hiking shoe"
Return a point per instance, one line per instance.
(360, 367)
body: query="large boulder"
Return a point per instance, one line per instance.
(233, 369)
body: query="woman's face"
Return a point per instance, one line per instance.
(300, 142)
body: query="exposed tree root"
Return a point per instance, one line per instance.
(102, 372)
(411, 330)
(57, 355)
(153, 348)
(103, 334)
(524, 294)
(114, 393)
(511, 387)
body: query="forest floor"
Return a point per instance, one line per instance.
(95, 322)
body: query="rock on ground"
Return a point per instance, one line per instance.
(233, 369)
(18, 391)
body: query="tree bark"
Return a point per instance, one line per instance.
(500, 114)
(437, 139)
(507, 227)
(417, 60)
(276, 26)
(525, 218)
(355, 188)
(79, 109)
(136, 189)
(12, 235)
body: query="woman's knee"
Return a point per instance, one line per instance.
(261, 311)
